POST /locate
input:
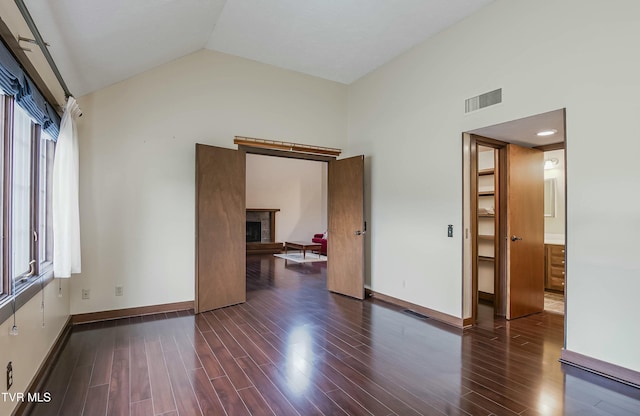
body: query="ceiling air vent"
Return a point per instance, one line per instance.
(483, 100)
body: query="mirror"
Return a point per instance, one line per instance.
(550, 197)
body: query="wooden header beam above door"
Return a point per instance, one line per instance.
(286, 146)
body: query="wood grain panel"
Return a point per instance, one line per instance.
(208, 360)
(74, 404)
(347, 403)
(140, 385)
(104, 358)
(59, 379)
(334, 355)
(160, 384)
(142, 408)
(220, 227)
(251, 349)
(255, 402)
(186, 402)
(207, 397)
(303, 403)
(269, 391)
(525, 219)
(118, 403)
(227, 361)
(44, 371)
(187, 351)
(96, 403)
(229, 397)
(345, 249)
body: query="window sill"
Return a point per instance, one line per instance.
(24, 292)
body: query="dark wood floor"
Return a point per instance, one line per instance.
(295, 349)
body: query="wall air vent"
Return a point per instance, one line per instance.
(483, 100)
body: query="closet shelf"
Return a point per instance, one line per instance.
(486, 193)
(483, 172)
(485, 237)
(487, 215)
(485, 258)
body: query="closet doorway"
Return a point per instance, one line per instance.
(506, 260)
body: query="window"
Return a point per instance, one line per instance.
(21, 195)
(45, 219)
(27, 167)
(28, 123)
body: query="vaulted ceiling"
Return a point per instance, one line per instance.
(96, 43)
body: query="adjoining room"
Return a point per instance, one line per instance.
(290, 195)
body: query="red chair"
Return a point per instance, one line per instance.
(321, 239)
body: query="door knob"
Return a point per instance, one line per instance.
(360, 232)
(514, 238)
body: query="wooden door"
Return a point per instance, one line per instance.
(525, 231)
(345, 248)
(220, 228)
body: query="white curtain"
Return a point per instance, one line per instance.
(66, 210)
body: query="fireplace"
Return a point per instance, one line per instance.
(254, 231)
(261, 231)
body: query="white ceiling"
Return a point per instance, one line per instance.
(96, 43)
(524, 131)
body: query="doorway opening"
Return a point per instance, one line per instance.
(514, 218)
(554, 230)
(220, 272)
(287, 197)
(488, 221)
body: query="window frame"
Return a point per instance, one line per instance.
(15, 293)
(29, 270)
(48, 145)
(7, 118)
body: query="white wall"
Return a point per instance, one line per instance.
(297, 187)
(408, 116)
(137, 142)
(29, 348)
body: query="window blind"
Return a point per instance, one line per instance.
(14, 81)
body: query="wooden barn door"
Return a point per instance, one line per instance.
(220, 228)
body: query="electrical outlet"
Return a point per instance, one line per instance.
(9, 375)
(85, 294)
(450, 230)
(119, 290)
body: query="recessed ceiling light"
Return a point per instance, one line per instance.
(547, 132)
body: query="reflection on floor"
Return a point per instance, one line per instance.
(294, 348)
(554, 302)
